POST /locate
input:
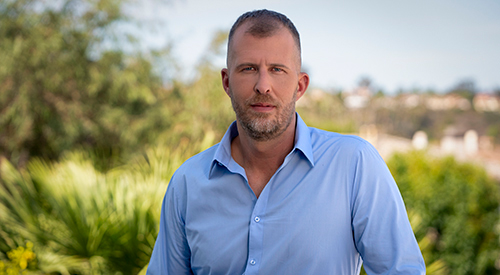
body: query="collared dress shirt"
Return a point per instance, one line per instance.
(330, 206)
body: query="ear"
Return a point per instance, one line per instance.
(303, 84)
(225, 80)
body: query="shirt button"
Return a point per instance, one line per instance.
(256, 219)
(252, 262)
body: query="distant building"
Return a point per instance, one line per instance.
(357, 98)
(460, 144)
(431, 102)
(420, 140)
(463, 145)
(447, 102)
(387, 102)
(486, 103)
(410, 100)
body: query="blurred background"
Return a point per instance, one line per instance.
(101, 100)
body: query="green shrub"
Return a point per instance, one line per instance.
(83, 221)
(454, 211)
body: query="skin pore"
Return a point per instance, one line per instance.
(264, 81)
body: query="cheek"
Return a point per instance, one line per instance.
(241, 85)
(284, 86)
(287, 86)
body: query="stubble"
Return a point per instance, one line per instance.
(264, 126)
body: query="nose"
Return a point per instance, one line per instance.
(263, 85)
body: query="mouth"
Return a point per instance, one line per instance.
(262, 107)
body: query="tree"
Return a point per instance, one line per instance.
(365, 81)
(466, 88)
(61, 88)
(496, 91)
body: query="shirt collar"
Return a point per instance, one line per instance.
(303, 140)
(223, 157)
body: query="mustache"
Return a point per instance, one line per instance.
(261, 98)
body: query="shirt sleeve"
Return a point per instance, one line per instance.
(171, 253)
(382, 232)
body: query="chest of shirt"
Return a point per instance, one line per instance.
(300, 214)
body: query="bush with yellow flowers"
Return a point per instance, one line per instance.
(19, 259)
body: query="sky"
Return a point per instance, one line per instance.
(426, 44)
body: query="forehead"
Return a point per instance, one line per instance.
(279, 47)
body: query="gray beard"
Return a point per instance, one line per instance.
(257, 125)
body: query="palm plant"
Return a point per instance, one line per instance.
(83, 221)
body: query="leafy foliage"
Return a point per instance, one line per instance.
(83, 221)
(61, 88)
(456, 208)
(90, 136)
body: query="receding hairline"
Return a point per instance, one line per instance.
(262, 24)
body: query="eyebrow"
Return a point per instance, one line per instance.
(249, 64)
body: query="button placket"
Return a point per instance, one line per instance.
(255, 243)
(256, 228)
(256, 234)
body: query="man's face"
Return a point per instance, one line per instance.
(264, 81)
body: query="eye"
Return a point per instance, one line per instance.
(277, 70)
(247, 69)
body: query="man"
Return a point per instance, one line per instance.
(275, 196)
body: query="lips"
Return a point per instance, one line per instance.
(262, 107)
(262, 103)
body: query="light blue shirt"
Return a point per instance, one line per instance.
(332, 205)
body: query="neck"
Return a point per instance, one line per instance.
(263, 155)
